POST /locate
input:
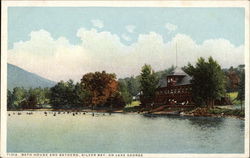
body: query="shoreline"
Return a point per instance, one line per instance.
(193, 116)
(69, 110)
(147, 114)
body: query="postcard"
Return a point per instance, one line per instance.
(125, 79)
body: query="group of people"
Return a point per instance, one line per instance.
(68, 112)
(55, 113)
(20, 113)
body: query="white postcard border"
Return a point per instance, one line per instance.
(4, 39)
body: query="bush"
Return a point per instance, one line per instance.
(234, 112)
(132, 109)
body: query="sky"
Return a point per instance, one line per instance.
(60, 43)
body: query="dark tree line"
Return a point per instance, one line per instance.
(68, 95)
(241, 85)
(234, 76)
(101, 89)
(33, 98)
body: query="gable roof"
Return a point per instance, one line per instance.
(176, 72)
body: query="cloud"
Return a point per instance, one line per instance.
(130, 28)
(97, 23)
(54, 59)
(170, 27)
(57, 59)
(126, 37)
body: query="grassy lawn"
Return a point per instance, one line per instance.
(133, 107)
(235, 112)
(133, 104)
(232, 95)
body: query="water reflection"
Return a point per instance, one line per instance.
(206, 122)
(197, 122)
(242, 126)
(127, 133)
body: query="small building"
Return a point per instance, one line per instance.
(175, 89)
(136, 97)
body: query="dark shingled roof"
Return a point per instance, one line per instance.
(162, 82)
(185, 80)
(177, 72)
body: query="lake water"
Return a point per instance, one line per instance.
(122, 133)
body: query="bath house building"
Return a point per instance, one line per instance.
(175, 89)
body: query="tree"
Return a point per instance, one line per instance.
(127, 98)
(148, 81)
(133, 86)
(122, 87)
(10, 100)
(233, 78)
(32, 98)
(58, 96)
(241, 87)
(208, 81)
(129, 87)
(116, 100)
(68, 95)
(30, 102)
(37, 95)
(100, 85)
(19, 95)
(47, 94)
(81, 96)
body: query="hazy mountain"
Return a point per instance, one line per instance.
(17, 77)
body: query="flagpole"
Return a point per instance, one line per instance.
(176, 64)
